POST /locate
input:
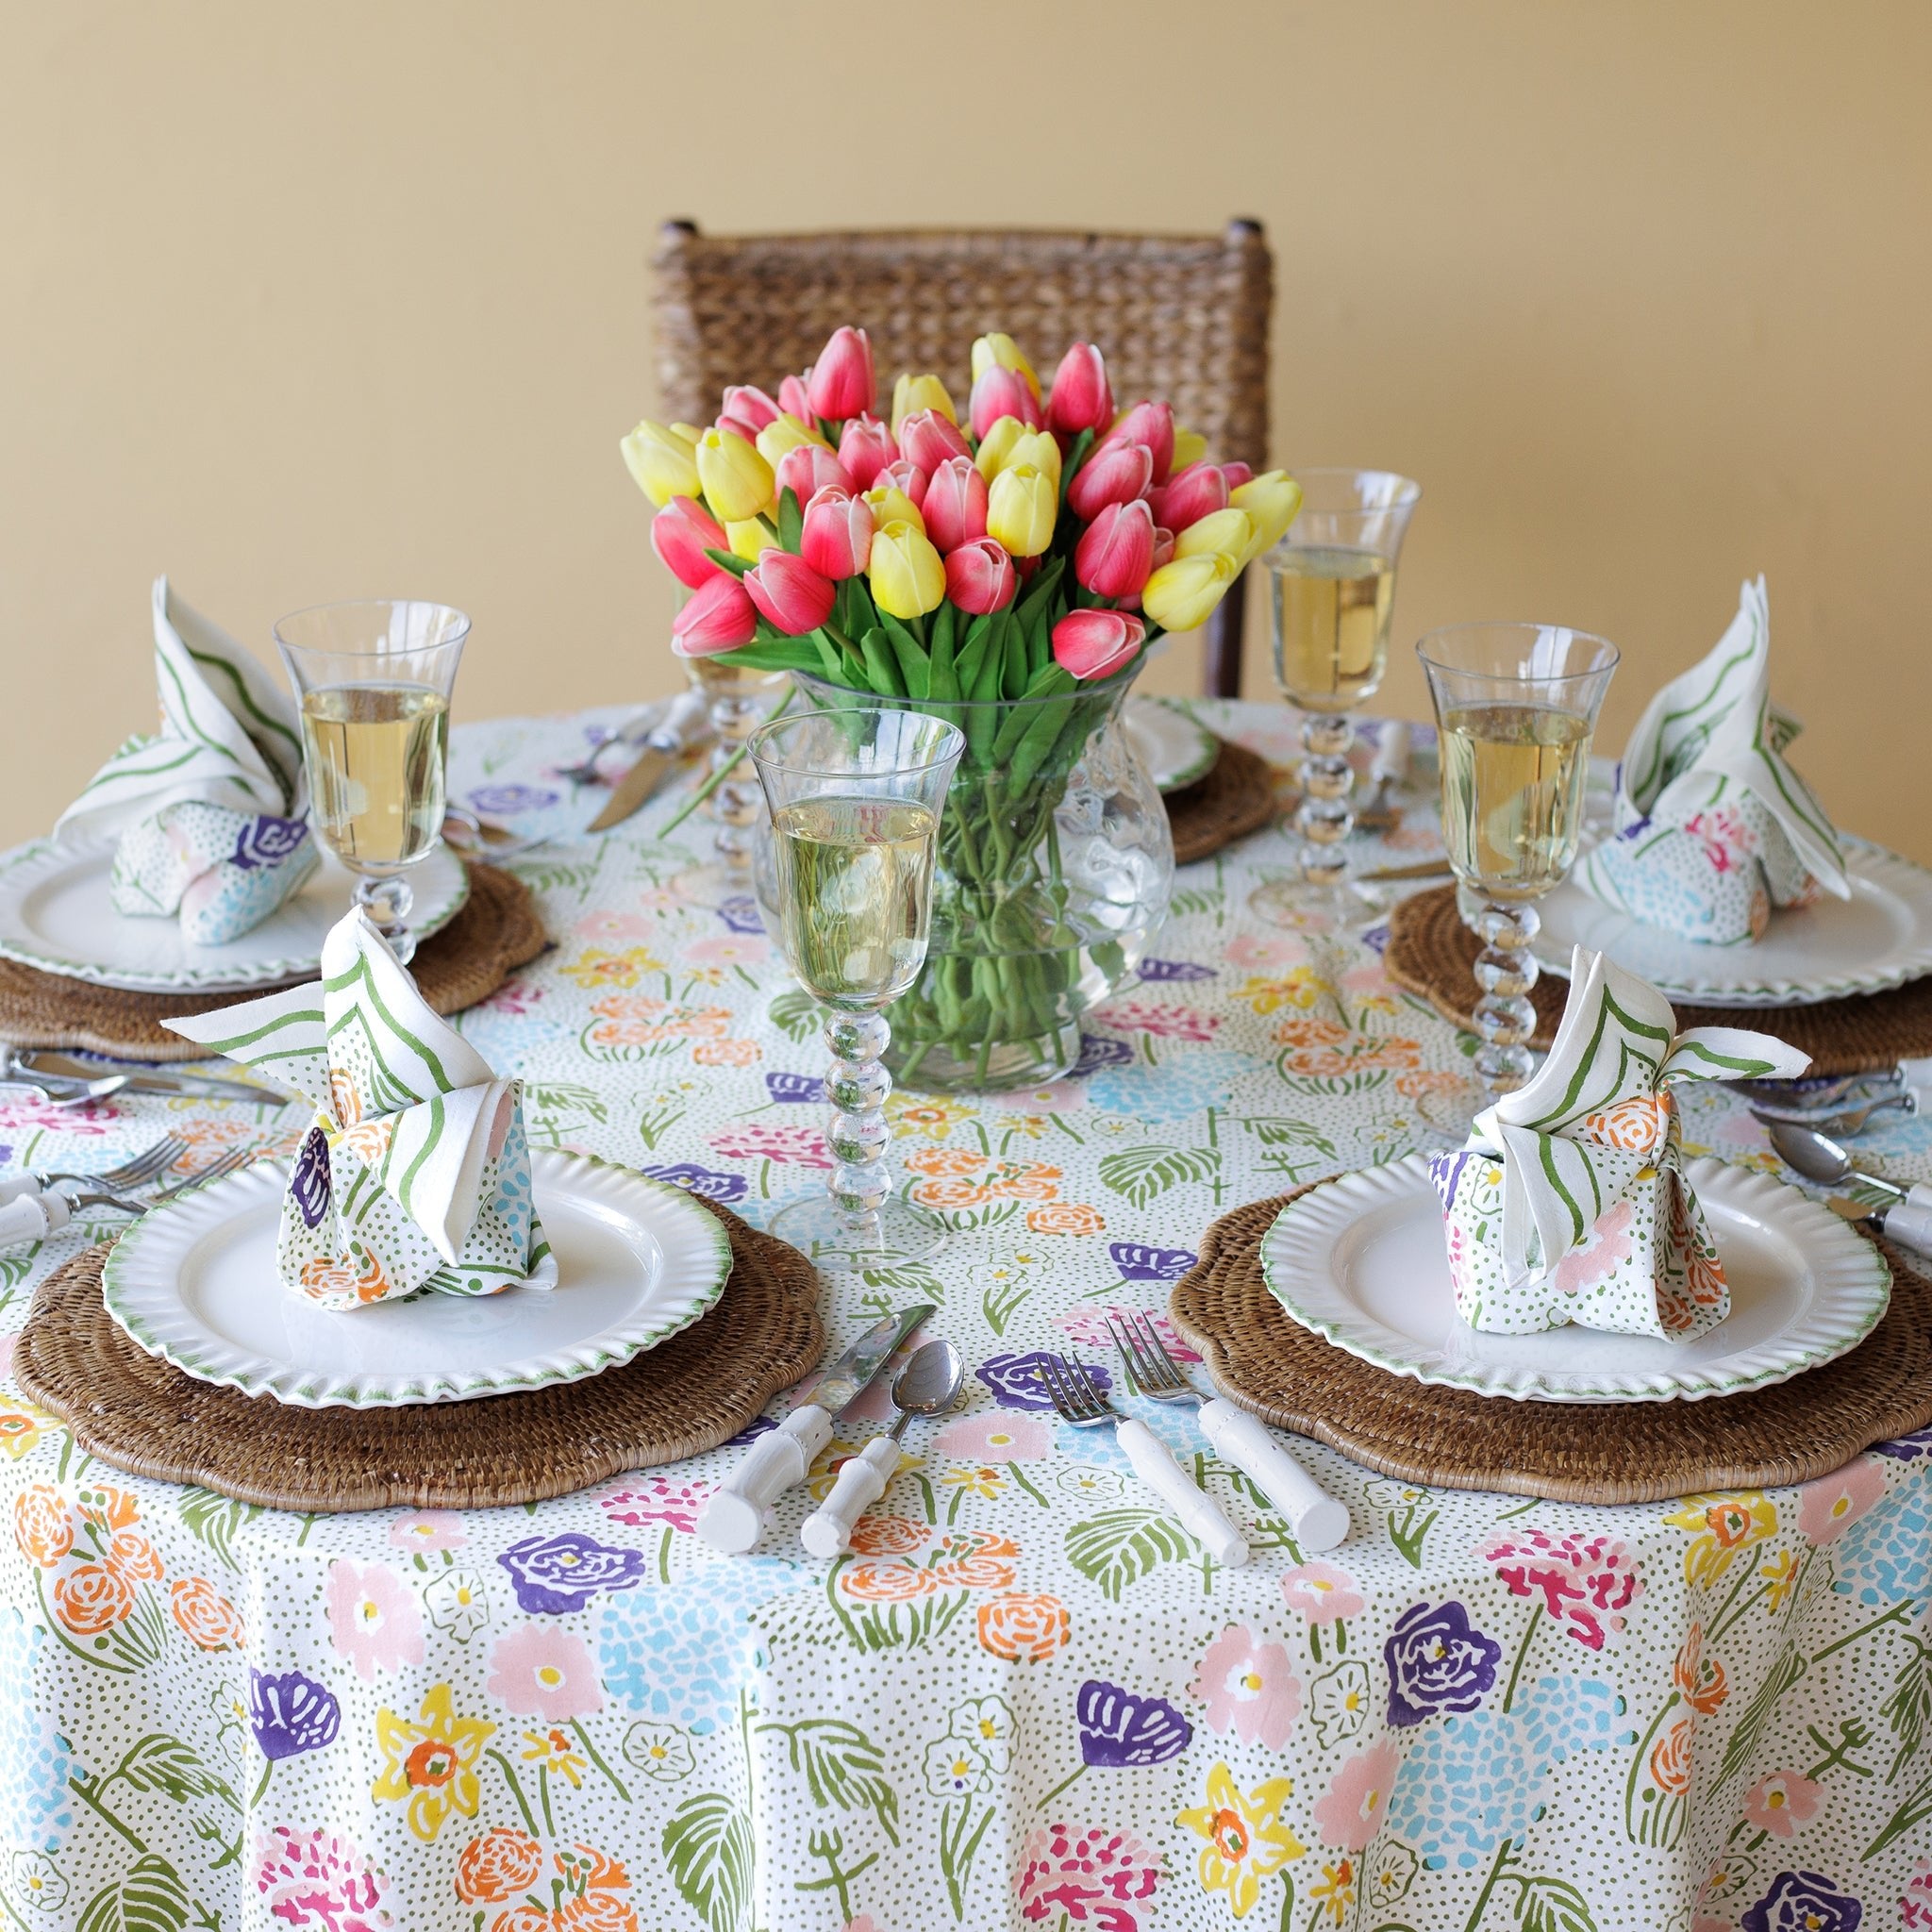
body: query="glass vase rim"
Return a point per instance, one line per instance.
(1411, 492)
(457, 635)
(1120, 682)
(953, 742)
(1601, 668)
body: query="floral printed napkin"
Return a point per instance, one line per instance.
(416, 1174)
(212, 811)
(1569, 1202)
(1713, 828)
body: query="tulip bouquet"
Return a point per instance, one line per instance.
(1007, 572)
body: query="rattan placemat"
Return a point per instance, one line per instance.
(686, 1395)
(1430, 952)
(1234, 798)
(496, 931)
(1572, 1452)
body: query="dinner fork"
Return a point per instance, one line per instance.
(1840, 1122)
(1315, 1520)
(1079, 1400)
(34, 1217)
(143, 1167)
(632, 731)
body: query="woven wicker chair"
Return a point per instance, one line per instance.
(1185, 317)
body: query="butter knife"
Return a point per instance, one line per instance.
(143, 1077)
(663, 750)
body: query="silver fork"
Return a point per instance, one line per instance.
(143, 1167)
(1078, 1400)
(631, 731)
(34, 1217)
(1839, 1124)
(1315, 1520)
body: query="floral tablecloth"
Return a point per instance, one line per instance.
(1026, 1700)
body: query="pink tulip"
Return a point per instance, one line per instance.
(865, 448)
(1164, 546)
(1080, 398)
(930, 439)
(808, 469)
(1115, 472)
(841, 383)
(1115, 555)
(1150, 423)
(954, 505)
(681, 532)
(1238, 474)
(1095, 644)
(740, 425)
(904, 474)
(789, 594)
(720, 616)
(794, 399)
(750, 405)
(1002, 393)
(837, 542)
(1189, 495)
(980, 576)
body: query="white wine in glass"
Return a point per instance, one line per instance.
(1332, 606)
(375, 756)
(1513, 781)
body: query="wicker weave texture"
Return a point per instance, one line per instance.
(1234, 798)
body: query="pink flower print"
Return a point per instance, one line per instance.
(1093, 1876)
(1164, 1023)
(1585, 1582)
(1249, 1687)
(730, 949)
(1781, 1803)
(542, 1669)
(798, 1146)
(659, 1500)
(1320, 1593)
(1829, 1506)
(1264, 952)
(1604, 1247)
(864, 1922)
(373, 1618)
(1726, 839)
(1915, 1907)
(1056, 1096)
(514, 997)
(89, 1117)
(313, 1879)
(998, 1435)
(1086, 1326)
(427, 1530)
(1351, 1813)
(615, 927)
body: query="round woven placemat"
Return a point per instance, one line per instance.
(1235, 797)
(1430, 952)
(1571, 1452)
(686, 1395)
(495, 931)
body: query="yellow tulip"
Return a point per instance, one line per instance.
(1229, 531)
(1273, 499)
(1180, 595)
(1003, 352)
(996, 445)
(663, 461)
(1037, 448)
(783, 434)
(890, 504)
(1021, 510)
(737, 480)
(909, 577)
(1190, 447)
(911, 394)
(751, 537)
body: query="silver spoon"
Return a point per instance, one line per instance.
(57, 1090)
(1908, 1216)
(927, 1385)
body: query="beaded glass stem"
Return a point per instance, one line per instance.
(741, 700)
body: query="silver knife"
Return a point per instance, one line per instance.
(736, 1515)
(143, 1077)
(663, 750)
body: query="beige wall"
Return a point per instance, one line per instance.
(340, 299)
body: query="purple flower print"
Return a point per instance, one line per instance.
(290, 1714)
(1119, 1728)
(707, 1181)
(309, 1186)
(1905, 1449)
(1438, 1661)
(1014, 1380)
(740, 914)
(1445, 1170)
(1377, 939)
(1097, 1051)
(503, 801)
(1802, 1902)
(1164, 970)
(268, 840)
(556, 1575)
(758, 1426)
(1139, 1264)
(790, 1087)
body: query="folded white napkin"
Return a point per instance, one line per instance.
(210, 811)
(416, 1174)
(1713, 828)
(1568, 1203)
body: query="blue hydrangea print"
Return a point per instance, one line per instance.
(34, 1764)
(1886, 1556)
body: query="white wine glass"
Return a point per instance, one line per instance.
(1516, 707)
(739, 700)
(855, 798)
(1331, 594)
(374, 679)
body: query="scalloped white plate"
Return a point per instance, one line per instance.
(1361, 1260)
(195, 1282)
(1879, 937)
(1175, 750)
(55, 914)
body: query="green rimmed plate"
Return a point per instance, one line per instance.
(1175, 750)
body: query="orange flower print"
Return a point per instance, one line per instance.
(107, 1508)
(951, 1193)
(368, 1141)
(42, 1526)
(1670, 1759)
(344, 1279)
(497, 1866)
(887, 1582)
(344, 1098)
(20, 1429)
(1700, 1679)
(91, 1598)
(727, 1053)
(886, 1536)
(1023, 1627)
(133, 1557)
(947, 1161)
(632, 1020)
(1065, 1217)
(1325, 1050)
(1025, 1182)
(1636, 1125)
(207, 1617)
(977, 1559)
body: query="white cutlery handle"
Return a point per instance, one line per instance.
(32, 1218)
(863, 1480)
(1391, 751)
(1919, 1195)
(1916, 1077)
(1909, 1224)
(678, 728)
(734, 1519)
(15, 1185)
(1315, 1519)
(1200, 1514)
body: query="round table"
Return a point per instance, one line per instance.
(1026, 1700)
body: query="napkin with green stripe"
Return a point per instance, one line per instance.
(416, 1174)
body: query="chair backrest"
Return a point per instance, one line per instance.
(1184, 317)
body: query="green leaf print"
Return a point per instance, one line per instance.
(707, 1846)
(1142, 1172)
(795, 1015)
(1121, 1546)
(147, 1897)
(1751, 1726)
(160, 1763)
(1908, 1710)
(1551, 1905)
(842, 1767)
(215, 1518)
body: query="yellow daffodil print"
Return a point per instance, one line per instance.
(431, 1762)
(1722, 1526)
(596, 971)
(1247, 1840)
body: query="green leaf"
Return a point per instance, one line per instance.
(165, 1764)
(215, 1518)
(795, 1014)
(1743, 1741)
(1142, 1172)
(1278, 1131)
(1552, 1905)
(1908, 1710)
(147, 1897)
(708, 1847)
(790, 520)
(1121, 1546)
(550, 1096)
(842, 1767)
(729, 559)
(880, 666)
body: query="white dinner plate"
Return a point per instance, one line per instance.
(195, 1282)
(1362, 1261)
(1879, 937)
(1175, 750)
(55, 914)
